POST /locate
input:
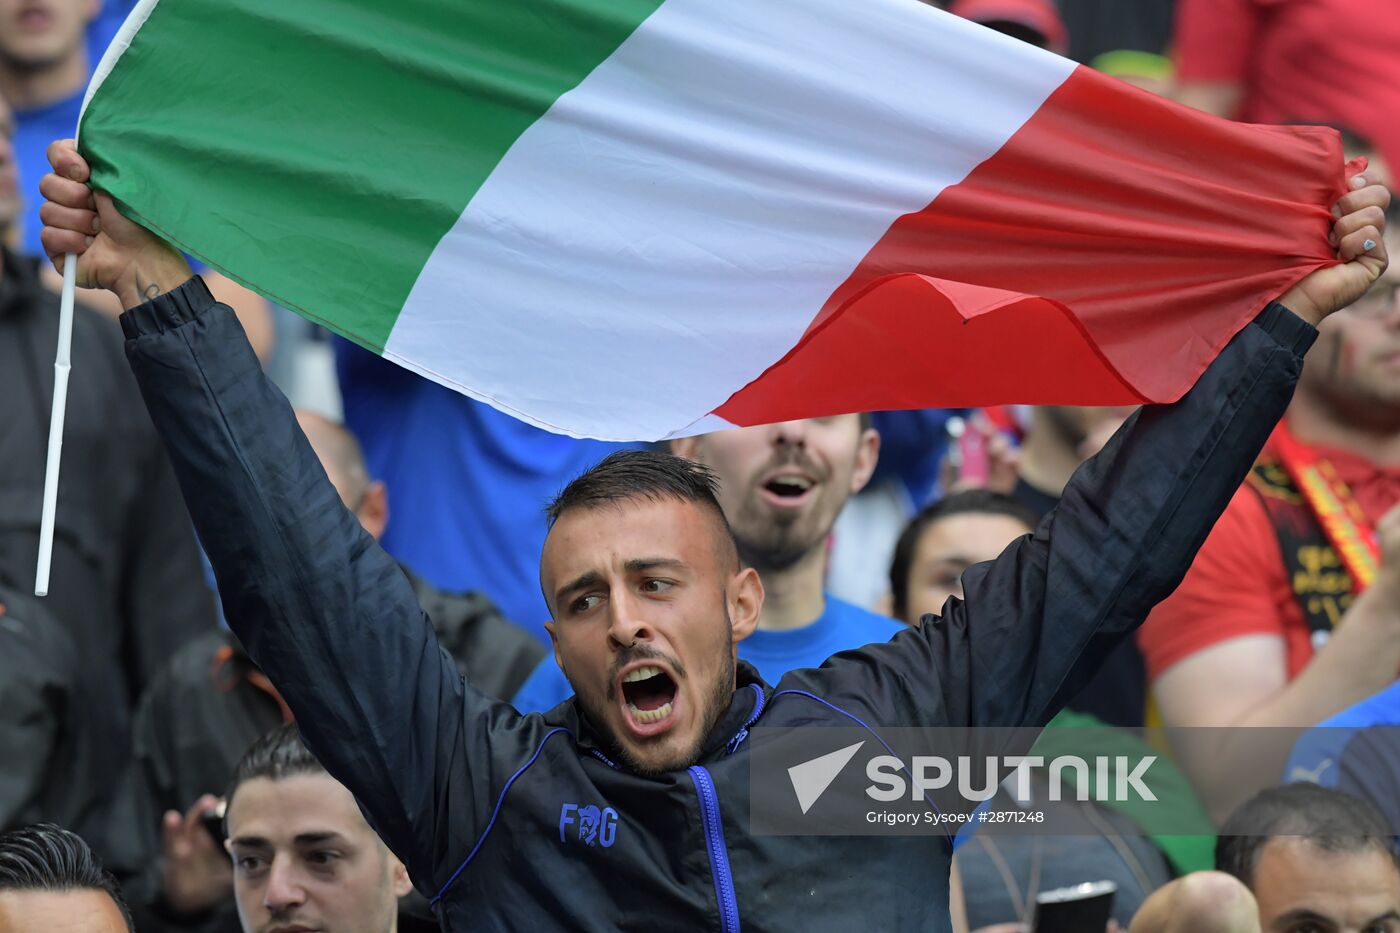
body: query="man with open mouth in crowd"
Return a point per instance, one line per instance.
(781, 487)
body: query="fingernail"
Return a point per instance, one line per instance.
(1368, 245)
(97, 225)
(1358, 181)
(87, 241)
(75, 173)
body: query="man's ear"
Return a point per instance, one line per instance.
(867, 456)
(745, 603)
(373, 512)
(554, 643)
(399, 876)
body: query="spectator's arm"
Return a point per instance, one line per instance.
(1038, 621)
(1241, 684)
(1212, 44)
(1127, 527)
(1222, 98)
(319, 606)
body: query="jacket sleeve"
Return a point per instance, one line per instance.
(319, 606)
(1037, 622)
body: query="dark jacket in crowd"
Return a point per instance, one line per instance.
(524, 822)
(211, 702)
(127, 584)
(56, 761)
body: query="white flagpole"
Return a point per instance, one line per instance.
(60, 405)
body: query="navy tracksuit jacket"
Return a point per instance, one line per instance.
(484, 805)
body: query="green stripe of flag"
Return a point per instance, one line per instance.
(396, 113)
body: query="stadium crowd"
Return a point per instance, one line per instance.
(153, 775)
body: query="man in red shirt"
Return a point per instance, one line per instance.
(1268, 627)
(1282, 61)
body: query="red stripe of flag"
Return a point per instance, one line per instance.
(1104, 255)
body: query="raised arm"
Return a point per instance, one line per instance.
(1038, 621)
(319, 606)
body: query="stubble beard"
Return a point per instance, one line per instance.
(715, 705)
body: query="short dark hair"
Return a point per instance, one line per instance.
(45, 857)
(640, 474)
(978, 501)
(1328, 818)
(278, 754)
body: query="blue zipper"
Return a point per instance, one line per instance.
(719, 855)
(743, 732)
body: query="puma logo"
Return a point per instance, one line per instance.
(1312, 776)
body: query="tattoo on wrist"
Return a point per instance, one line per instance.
(147, 291)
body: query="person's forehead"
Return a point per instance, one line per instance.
(1294, 873)
(605, 537)
(82, 911)
(280, 810)
(964, 532)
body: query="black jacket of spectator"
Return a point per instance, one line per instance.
(56, 760)
(474, 797)
(127, 583)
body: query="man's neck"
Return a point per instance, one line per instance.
(793, 597)
(1046, 463)
(26, 89)
(1375, 438)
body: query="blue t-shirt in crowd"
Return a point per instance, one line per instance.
(36, 128)
(467, 484)
(1318, 754)
(1356, 751)
(840, 627)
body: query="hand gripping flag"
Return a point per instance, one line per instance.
(633, 219)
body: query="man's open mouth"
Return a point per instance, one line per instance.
(788, 489)
(648, 697)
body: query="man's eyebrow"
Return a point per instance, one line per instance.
(588, 579)
(312, 839)
(251, 842)
(1300, 915)
(640, 564)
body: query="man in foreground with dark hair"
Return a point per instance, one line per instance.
(1300, 857)
(50, 880)
(303, 856)
(628, 809)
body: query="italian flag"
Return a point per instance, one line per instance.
(634, 219)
